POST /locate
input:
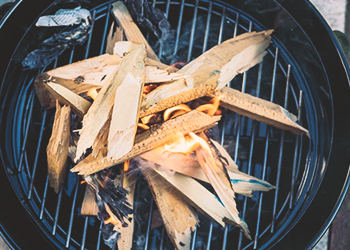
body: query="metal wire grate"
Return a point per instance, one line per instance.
(259, 150)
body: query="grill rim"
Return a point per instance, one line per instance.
(335, 44)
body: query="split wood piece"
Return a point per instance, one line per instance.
(78, 77)
(213, 69)
(242, 183)
(259, 109)
(99, 111)
(89, 206)
(126, 233)
(114, 37)
(193, 192)
(57, 148)
(154, 137)
(126, 110)
(156, 75)
(218, 178)
(187, 164)
(178, 217)
(78, 104)
(131, 31)
(99, 147)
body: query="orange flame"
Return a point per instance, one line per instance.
(211, 108)
(186, 144)
(112, 219)
(82, 182)
(126, 165)
(169, 111)
(92, 93)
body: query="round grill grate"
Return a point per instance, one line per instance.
(279, 157)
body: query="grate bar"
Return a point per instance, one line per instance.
(236, 25)
(224, 241)
(292, 187)
(279, 164)
(23, 149)
(178, 31)
(149, 225)
(86, 223)
(210, 234)
(194, 238)
(162, 240)
(194, 22)
(108, 14)
(207, 27)
(261, 193)
(44, 198)
(69, 233)
(99, 237)
(57, 211)
(223, 16)
(90, 35)
(37, 155)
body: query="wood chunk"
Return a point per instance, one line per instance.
(152, 138)
(242, 183)
(259, 109)
(131, 30)
(156, 75)
(89, 206)
(178, 217)
(99, 111)
(78, 77)
(194, 193)
(78, 104)
(126, 110)
(57, 148)
(213, 69)
(126, 233)
(99, 148)
(187, 164)
(112, 38)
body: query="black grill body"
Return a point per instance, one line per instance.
(305, 71)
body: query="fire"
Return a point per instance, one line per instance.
(143, 126)
(187, 144)
(92, 93)
(211, 108)
(112, 219)
(126, 165)
(82, 182)
(183, 107)
(146, 119)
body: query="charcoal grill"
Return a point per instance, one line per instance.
(304, 71)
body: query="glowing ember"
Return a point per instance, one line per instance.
(146, 119)
(148, 88)
(143, 126)
(82, 182)
(211, 108)
(126, 165)
(168, 112)
(92, 93)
